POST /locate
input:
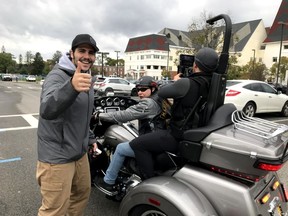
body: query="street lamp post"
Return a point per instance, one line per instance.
(168, 58)
(253, 63)
(102, 57)
(279, 61)
(117, 64)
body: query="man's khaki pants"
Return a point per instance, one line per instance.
(65, 188)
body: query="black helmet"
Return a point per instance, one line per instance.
(206, 59)
(146, 81)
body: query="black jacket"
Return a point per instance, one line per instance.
(190, 95)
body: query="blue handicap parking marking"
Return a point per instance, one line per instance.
(10, 160)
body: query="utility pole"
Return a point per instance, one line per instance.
(117, 64)
(167, 68)
(279, 60)
(253, 63)
(102, 58)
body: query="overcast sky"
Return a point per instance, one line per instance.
(47, 26)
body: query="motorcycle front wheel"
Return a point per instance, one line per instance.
(146, 210)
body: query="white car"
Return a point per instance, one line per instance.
(31, 78)
(98, 81)
(114, 85)
(254, 96)
(7, 77)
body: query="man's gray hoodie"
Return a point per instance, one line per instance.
(63, 130)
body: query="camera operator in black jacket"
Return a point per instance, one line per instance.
(189, 96)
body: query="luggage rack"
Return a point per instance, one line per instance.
(256, 126)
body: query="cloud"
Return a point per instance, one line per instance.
(47, 26)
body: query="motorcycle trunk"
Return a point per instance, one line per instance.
(248, 154)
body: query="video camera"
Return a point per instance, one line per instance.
(185, 65)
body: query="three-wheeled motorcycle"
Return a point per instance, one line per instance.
(228, 167)
(230, 164)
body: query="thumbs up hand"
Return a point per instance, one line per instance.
(81, 81)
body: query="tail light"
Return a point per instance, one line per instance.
(102, 84)
(232, 92)
(268, 166)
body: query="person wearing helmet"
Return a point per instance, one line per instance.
(186, 92)
(148, 107)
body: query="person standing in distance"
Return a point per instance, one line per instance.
(66, 107)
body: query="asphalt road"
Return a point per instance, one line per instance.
(19, 192)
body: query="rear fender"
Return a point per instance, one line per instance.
(168, 195)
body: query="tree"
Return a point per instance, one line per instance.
(111, 62)
(6, 62)
(37, 65)
(254, 71)
(282, 69)
(203, 34)
(56, 56)
(234, 71)
(29, 57)
(166, 74)
(3, 49)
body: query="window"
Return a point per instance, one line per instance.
(253, 87)
(263, 47)
(155, 66)
(274, 59)
(142, 57)
(285, 46)
(124, 82)
(114, 81)
(268, 89)
(156, 56)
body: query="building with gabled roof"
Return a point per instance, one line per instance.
(277, 32)
(149, 54)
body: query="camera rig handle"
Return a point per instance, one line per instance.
(224, 56)
(217, 90)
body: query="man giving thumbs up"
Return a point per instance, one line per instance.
(66, 106)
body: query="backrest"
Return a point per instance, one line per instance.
(220, 118)
(216, 96)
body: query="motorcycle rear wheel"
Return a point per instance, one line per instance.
(146, 210)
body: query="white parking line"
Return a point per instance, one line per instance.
(15, 115)
(29, 118)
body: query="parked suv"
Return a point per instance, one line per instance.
(114, 85)
(6, 77)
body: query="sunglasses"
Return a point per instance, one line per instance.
(142, 89)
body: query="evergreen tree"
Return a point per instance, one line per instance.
(38, 65)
